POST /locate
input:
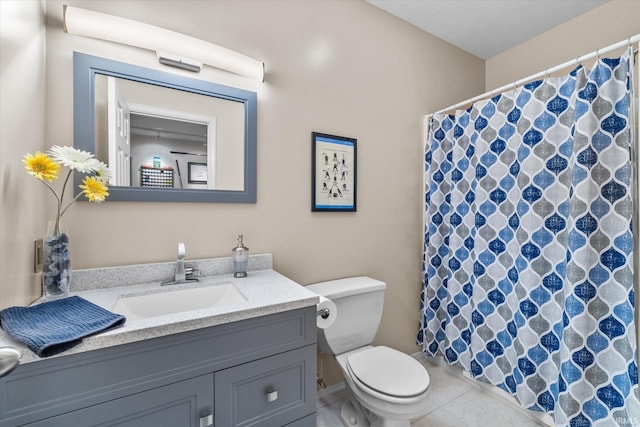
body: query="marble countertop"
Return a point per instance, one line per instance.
(267, 292)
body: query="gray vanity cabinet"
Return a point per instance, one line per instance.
(255, 372)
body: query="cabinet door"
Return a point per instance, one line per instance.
(273, 391)
(181, 404)
(308, 421)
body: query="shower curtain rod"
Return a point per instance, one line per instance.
(491, 93)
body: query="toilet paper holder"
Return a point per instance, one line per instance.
(326, 313)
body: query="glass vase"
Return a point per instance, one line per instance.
(56, 269)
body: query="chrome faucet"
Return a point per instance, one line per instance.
(180, 276)
(182, 273)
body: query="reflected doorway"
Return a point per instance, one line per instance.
(152, 147)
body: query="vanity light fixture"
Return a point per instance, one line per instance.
(165, 42)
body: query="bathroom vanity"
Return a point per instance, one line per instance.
(242, 364)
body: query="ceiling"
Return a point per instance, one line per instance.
(485, 28)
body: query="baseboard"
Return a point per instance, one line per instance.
(335, 388)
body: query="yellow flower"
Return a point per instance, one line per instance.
(41, 166)
(94, 189)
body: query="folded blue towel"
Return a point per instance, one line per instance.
(55, 326)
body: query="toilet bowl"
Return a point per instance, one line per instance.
(391, 386)
(386, 388)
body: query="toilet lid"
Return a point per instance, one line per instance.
(389, 371)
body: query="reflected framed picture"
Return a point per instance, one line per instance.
(333, 176)
(197, 173)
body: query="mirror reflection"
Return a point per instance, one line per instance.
(165, 136)
(153, 137)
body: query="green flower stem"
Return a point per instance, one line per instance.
(64, 186)
(59, 199)
(70, 203)
(56, 228)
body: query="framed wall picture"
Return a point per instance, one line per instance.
(197, 173)
(333, 176)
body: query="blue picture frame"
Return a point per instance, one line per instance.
(334, 173)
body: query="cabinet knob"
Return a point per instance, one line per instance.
(272, 396)
(206, 420)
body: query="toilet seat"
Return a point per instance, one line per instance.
(388, 372)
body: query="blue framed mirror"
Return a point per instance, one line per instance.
(151, 126)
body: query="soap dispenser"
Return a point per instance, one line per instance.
(240, 259)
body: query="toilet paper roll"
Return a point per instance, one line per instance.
(326, 314)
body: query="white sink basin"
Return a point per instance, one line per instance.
(170, 302)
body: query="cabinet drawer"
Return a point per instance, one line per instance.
(273, 391)
(176, 405)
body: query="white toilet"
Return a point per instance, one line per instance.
(386, 388)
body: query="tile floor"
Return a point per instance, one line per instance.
(455, 402)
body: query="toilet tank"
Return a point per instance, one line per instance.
(359, 302)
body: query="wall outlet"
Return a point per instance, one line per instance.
(38, 255)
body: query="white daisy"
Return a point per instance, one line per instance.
(74, 159)
(103, 173)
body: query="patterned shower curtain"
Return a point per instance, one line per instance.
(528, 280)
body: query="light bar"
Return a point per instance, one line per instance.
(176, 45)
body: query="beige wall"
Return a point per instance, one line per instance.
(339, 67)
(22, 130)
(610, 23)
